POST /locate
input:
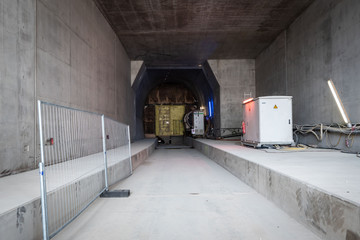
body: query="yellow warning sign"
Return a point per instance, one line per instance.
(275, 107)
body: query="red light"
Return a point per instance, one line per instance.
(50, 141)
(248, 100)
(243, 127)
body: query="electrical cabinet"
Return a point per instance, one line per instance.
(198, 121)
(268, 120)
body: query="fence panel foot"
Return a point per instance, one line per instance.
(116, 194)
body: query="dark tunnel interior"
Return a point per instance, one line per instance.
(174, 86)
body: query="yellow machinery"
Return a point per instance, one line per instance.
(169, 120)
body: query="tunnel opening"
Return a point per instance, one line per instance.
(178, 90)
(164, 102)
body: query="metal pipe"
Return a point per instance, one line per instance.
(35, 81)
(43, 202)
(345, 131)
(42, 179)
(70, 108)
(104, 151)
(328, 129)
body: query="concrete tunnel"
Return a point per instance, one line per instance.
(87, 88)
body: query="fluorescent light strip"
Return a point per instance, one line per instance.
(338, 101)
(248, 100)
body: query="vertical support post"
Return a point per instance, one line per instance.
(104, 151)
(43, 201)
(129, 142)
(42, 179)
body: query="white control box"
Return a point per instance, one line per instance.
(268, 120)
(198, 123)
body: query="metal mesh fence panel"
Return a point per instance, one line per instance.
(77, 149)
(117, 142)
(72, 149)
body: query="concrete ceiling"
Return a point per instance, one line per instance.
(192, 31)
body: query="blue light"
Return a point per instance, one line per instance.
(211, 108)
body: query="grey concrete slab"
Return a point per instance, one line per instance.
(180, 194)
(53, 34)
(236, 78)
(135, 67)
(24, 187)
(60, 8)
(17, 54)
(192, 33)
(333, 171)
(2, 29)
(123, 91)
(271, 74)
(20, 214)
(53, 78)
(83, 20)
(10, 15)
(318, 188)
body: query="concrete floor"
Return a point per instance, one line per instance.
(181, 194)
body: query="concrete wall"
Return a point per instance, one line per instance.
(81, 63)
(135, 67)
(237, 81)
(322, 43)
(17, 81)
(271, 69)
(78, 62)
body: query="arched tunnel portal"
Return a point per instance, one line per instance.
(175, 85)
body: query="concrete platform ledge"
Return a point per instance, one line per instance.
(320, 189)
(20, 208)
